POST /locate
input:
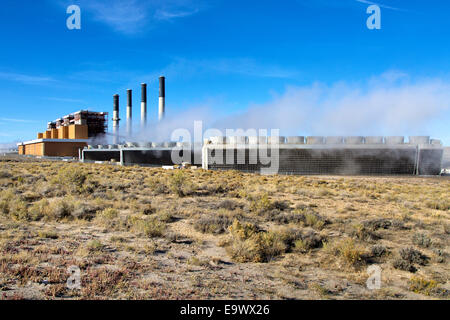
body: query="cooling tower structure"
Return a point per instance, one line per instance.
(326, 155)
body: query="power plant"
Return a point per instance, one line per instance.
(75, 135)
(66, 136)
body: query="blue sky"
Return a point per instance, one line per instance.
(233, 62)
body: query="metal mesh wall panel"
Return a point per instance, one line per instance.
(351, 161)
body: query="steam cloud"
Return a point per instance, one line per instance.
(390, 104)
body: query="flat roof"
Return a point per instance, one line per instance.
(52, 140)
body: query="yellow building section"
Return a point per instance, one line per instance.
(52, 148)
(63, 132)
(57, 142)
(78, 131)
(54, 134)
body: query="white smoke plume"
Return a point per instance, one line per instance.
(390, 104)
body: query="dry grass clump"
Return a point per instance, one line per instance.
(157, 185)
(108, 218)
(261, 203)
(361, 232)
(181, 184)
(439, 204)
(46, 234)
(73, 179)
(249, 244)
(308, 241)
(215, 223)
(348, 251)
(446, 228)
(151, 227)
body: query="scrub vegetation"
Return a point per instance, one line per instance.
(148, 233)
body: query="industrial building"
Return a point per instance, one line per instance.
(66, 136)
(70, 136)
(325, 155)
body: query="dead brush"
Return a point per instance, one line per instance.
(103, 282)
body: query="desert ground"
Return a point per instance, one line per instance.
(148, 233)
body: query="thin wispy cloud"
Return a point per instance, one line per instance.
(65, 100)
(17, 120)
(25, 78)
(171, 15)
(133, 16)
(379, 4)
(185, 68)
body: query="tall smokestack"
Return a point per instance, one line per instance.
(143, 105)
(116, 119)
(162, 97)
(129, 111)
